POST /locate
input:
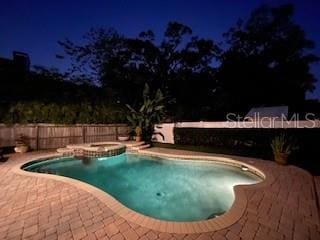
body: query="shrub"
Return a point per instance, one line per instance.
(254, 142)
(280, 144)
(37, 112)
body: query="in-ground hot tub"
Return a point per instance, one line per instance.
(166, 189)
(100, 149)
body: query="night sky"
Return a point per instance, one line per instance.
(35, 26)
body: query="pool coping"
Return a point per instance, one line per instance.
(225, 220)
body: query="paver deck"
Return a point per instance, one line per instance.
(34, 207)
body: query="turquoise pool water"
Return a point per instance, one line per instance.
(174, 190)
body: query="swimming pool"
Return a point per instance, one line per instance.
(174, 190)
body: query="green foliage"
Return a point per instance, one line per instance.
(180, 65)
(47, 85)
(151, 112)
(267, 62)
(253, 142)
(37, 112)
(281, 144)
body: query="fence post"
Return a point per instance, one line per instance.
(83, 134)
(37, 137)
(117, 133)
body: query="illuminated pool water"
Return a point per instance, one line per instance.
(174, 190)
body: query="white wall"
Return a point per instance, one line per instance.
(250, 124)
(166, 129)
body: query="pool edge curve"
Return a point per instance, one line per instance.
(230, 217)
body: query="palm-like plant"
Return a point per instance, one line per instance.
(282, 147)
(150, 113)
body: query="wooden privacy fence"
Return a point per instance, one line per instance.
(46, 136)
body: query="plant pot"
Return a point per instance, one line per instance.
(138, 138)
(281, 158)
(21, 149)
(123, 138)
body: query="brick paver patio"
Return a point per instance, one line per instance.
(40, 208)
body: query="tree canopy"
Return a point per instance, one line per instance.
(267, 61)
(263, 60)
(180, 65)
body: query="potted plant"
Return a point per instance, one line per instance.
(21, 144)
(144, 118)
(281, 148)
(138, 131)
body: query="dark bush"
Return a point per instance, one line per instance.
(38, 112)
(254, 142)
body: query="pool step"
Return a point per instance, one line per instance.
(135, 144)
(140, 147)
(65, 151)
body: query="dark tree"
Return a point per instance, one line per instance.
(46, 85)
(180, 65)
(267, 61)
